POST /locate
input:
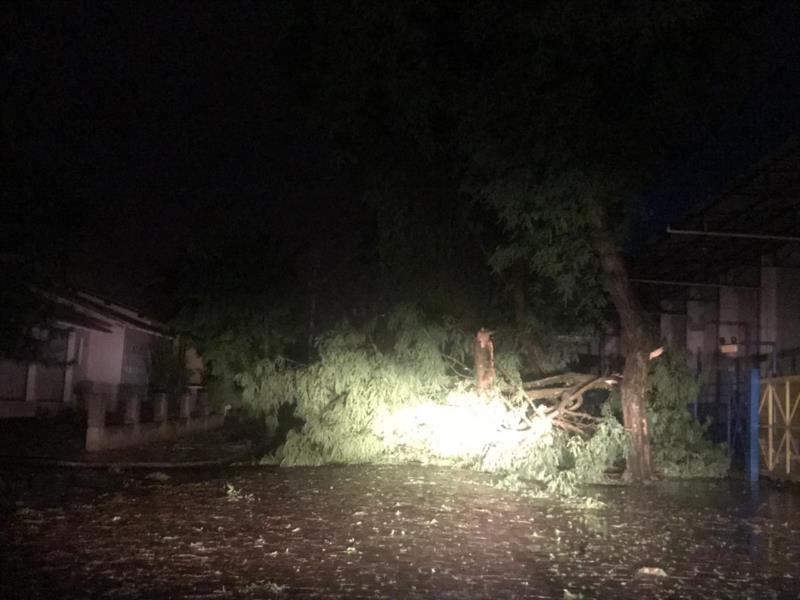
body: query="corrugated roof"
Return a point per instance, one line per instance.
(763, 201)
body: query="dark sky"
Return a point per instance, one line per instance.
(134, 132)
(130, 134)
(766, 119)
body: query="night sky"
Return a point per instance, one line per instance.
(135, 134)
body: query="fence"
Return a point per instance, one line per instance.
(779, 427)
(193, 415)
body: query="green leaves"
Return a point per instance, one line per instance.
(403, 403)
(680, 447)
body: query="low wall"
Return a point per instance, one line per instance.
(133, 432)
(19, 409)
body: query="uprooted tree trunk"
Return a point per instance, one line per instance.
(637, 344)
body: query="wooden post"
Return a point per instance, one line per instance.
(787, 422)
(771, 425)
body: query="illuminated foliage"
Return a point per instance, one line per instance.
(340, 396)
(396, 389)
(394, 393)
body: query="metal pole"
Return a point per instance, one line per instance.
(751, 453)
(729, 234)
(695, 284)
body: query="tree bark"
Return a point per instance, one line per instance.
(637, 343)
(484, 360)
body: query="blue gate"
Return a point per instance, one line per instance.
(730, 403)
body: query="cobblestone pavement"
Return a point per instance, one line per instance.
(387, 532)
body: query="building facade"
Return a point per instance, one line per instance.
(94, 346)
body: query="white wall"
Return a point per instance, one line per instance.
(768, 315)
(104, 356)
(788, 309)
(738, 315)
(701, 333)
(135, 360)
(673, 330)
(780, 314)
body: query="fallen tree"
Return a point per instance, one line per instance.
(413, 399)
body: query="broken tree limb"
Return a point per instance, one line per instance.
(577, 394)
(558, 398)
(546, 393)
(568, 426)
(565, 401)
(456, 364)
(569, 378)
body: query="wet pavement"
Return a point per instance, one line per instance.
(386, 532)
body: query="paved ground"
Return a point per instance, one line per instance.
(386, 532)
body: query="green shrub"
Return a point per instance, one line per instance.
(680, 446)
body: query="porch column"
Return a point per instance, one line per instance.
(202, 403)
(185, 405)
(69, 368)
(159, 407)
(132, 409)
(30, 383)
(96, 421)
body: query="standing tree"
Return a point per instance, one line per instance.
(572, 112)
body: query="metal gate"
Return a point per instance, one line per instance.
(758, 419)
(725, 401)
(779, 427)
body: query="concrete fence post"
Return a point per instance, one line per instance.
(160, 407)
(96, 421)
(133, 407)
(192, 398)
(202, 403)
(96, 409)
(185, 405)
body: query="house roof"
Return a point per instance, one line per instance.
(726, 236)
(92, 312)
(73, 307)
(745, 179)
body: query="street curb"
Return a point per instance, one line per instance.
(35, 461)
